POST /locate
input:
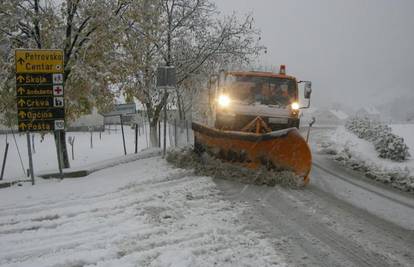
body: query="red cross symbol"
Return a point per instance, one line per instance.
(57, 90)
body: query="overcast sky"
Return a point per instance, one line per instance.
(354, 51)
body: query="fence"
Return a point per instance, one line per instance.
(180, 133)
(90, 146)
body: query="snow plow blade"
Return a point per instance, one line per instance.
(278, 150)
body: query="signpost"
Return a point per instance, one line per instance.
(166, 78)
(40, 93)
(121, 111)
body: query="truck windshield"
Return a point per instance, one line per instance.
(263, 90)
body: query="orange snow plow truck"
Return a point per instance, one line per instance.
(253, 120)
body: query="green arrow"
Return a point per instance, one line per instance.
(21, 102)
(21, 61)
(20, 79)
(22, 114)
(21, 90)
(22, 126)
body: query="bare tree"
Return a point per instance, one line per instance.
(189, 35)
(194, 36)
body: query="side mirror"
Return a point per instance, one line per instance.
(308, 90)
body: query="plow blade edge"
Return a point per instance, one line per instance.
(279, 150)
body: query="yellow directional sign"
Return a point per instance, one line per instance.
(36, 79)
(28, 114)
(40, 89)
(37, 126)
(39, 61)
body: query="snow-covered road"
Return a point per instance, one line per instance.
(339, 219)
(328, 223)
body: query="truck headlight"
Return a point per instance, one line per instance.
(224, 101)
(295, 106)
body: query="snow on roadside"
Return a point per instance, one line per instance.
(360, 155)
(45, 159)
(138, 214)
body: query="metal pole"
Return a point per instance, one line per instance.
(136, 138)
(186, 128)
(91, 138)
(4, 161)
(29, 151)
(59, 156)
(165, 129)
(175, 132)
(310, 126)
(159, 132)
(139, 128)
(145, 132)
(33, 145)
(123, 135)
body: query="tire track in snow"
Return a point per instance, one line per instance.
(317, 230)
(365, 186)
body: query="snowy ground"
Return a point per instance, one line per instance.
(146, 213)
(360, 154)
(143, 213)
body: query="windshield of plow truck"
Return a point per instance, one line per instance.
(263, 90)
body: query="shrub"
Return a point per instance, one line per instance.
(387, 144)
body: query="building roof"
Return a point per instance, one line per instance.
(369, 110)
(339, 114)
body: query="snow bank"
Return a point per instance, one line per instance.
(142, 213)
(359, 154)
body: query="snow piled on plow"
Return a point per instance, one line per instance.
(206, 165)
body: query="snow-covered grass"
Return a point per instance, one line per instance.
(45, 157)
(143, 213)
(361, 155)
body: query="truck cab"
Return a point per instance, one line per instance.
(243, 96)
